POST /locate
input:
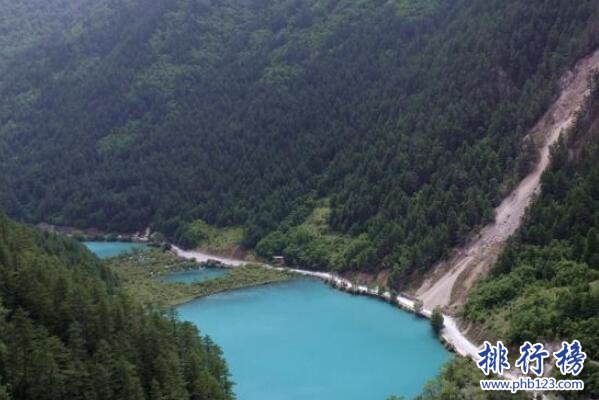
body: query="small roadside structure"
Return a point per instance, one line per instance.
(278, 260)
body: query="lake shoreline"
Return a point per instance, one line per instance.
(93, 234)
(451, 336)
(143, 284)
(302, 336)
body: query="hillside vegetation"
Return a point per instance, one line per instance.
(408, 116)
(68, 331)
(26, 24)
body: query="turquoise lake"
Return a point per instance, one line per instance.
(112, 249)
(302, 340)
(194, 276)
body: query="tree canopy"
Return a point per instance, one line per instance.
(69, 331)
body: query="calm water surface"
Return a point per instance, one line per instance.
(304, 340)
(112, 249)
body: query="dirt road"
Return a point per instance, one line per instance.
(471, 262)
(201, 257)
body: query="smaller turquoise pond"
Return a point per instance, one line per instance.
(112, 249)
(194, 276)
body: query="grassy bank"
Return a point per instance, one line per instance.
(140, 272)
(213, 239)
(307, 240)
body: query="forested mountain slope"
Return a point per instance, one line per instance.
(545, 286)
(25, 24)
(68, 331)
(452, 279)
(403, 118)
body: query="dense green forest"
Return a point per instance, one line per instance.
(68, 331)
(27, 24)
(546, 284)
(404, 117)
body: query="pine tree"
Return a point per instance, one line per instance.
(125, 382)
(437, 320)
(591, 253)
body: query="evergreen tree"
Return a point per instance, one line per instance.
(591, 253)
(437, 320)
